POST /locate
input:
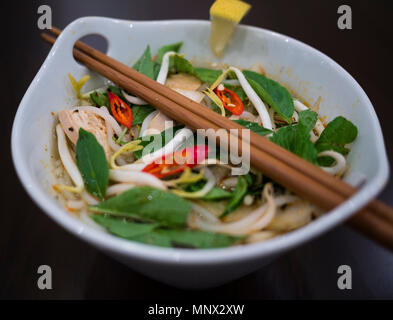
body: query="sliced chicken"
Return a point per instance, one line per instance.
(183, 81)
(72, 120)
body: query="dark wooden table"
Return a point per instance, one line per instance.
(28, 238)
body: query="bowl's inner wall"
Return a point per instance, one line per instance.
(306, 73)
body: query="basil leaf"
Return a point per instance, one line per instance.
(157, 68)
(100, 99)
(117, 91)
(207, 75)
(216, 194)
(336, 135)
(91, 161)
(170, 47)
(254, 127)
(183, 66)
(149, 204)
(238, 196)
(123, 228)
(272, 93)
(187, 239)
(296, 138)
(156, 141)
(145, 64)
(139, 113)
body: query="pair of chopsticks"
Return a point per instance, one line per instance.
(284, 167)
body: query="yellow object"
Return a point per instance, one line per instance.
(130, 146)
(59, 187)
(210, 93)
(78, 85)
(186, 177)
(224, 16)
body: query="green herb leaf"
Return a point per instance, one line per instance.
(91, 161)
(207, 75)
(187, 239)
(296, 138)
(122, 227)
(254, 127)
(117, 91)
(145, 64)
(139, 113)
(170, 47)
(148, 204)
(216, 194)
(183, 66)
(336, 135)
(272, 93)
(100, 99)
(238, 196)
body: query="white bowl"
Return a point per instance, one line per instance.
(306, 71)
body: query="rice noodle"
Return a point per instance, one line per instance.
(67, 160)
(136, 177)
(254, 221)
(109, 133)
(115, 189)
(254, 98)
(340, 162)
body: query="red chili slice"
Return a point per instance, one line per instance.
(120, 110)
(176, 162)
(232, 103)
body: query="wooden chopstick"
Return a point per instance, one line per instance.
(132, 81)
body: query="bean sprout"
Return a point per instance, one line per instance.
(162, 75)
(254, 98)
